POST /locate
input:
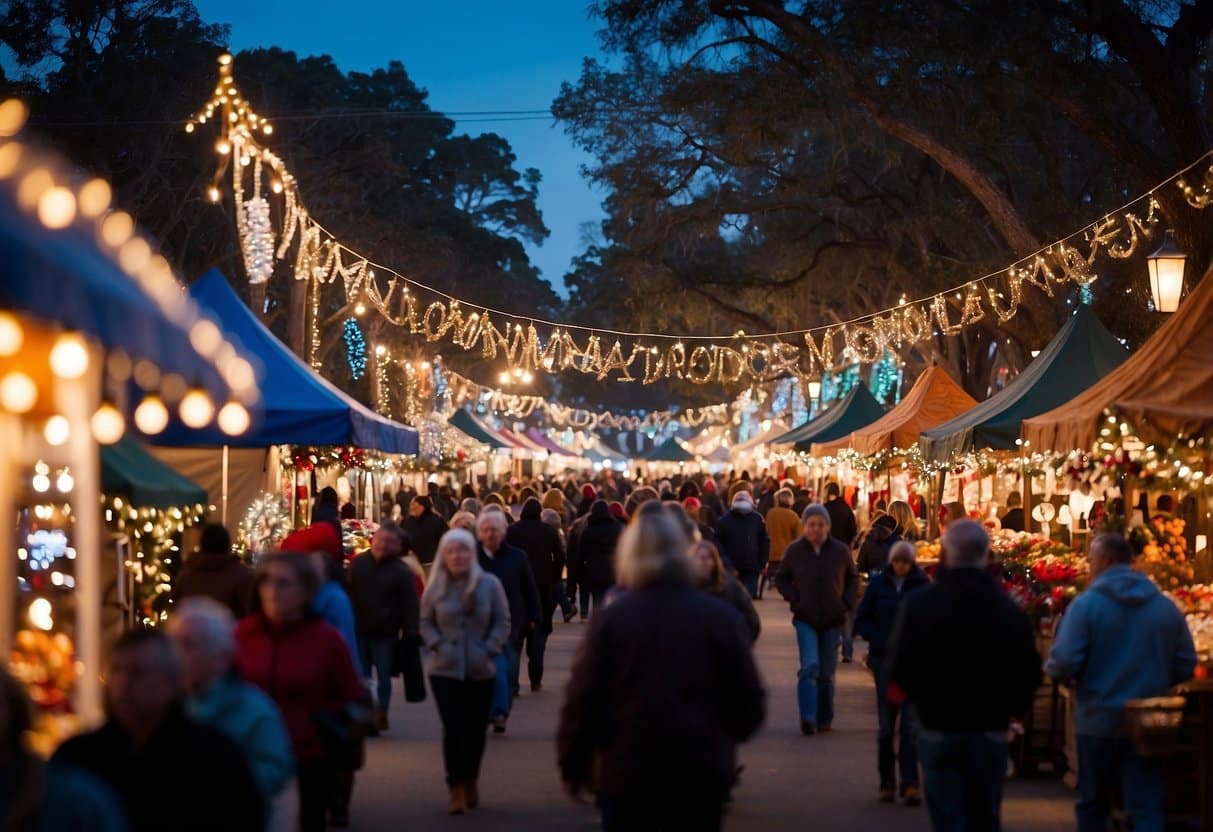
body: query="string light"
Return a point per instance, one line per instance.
(233, 419)
(355, 348)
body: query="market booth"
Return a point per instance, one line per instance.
(857, 409)
(94, 331)
(670, 454)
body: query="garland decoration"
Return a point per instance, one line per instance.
(355, 348)
(266, 522)
(419, 310)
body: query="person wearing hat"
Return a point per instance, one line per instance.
(741, 536)
(874, 624)
(783, 527)
(817, 578)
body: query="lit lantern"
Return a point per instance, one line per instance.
(57, 430)
(814, 390)
(196, 410)
(18, 392)
(151, 416)
(107, 424)
(233, 419)
(69, 356)
(1167, 274)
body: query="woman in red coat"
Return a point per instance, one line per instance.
(304, 666)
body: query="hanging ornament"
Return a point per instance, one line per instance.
(355, 348)
(257, 239)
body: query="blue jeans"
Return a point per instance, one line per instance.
(963, 775)
(894, 719)
(377, 653)
(506, 680)
(815, 680)
(1107, 765)
(750, 581)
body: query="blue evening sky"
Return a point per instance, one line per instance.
(470, 55)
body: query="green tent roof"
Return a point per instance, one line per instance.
(1080, 354)
(127, 469)
(469, 424)
(857, 409)
(670, 450)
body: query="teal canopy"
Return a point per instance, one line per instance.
(128, 470)
(469, 424)
(670, 450)
(857, 409)
(1079, 355)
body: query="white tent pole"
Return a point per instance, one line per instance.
(223, 489)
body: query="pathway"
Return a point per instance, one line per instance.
(828, 780)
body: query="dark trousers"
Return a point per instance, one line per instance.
(700, 811)
(963, 775)
(463, 706)
(750, 581)
(584, 592)
(317, 783)
(343, 791)
(536, 644)
(377, 654)
(1107, 766)
(891, 718)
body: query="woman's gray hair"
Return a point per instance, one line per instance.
(653, 549)
(904, 550)
(440, 579)
(216, 625)
(471, 505)
(464, 520)
(966, 544)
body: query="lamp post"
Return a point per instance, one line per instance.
(1167, 274)
(814, 395)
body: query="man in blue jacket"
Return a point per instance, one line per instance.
(513, 569)
(1121, 639)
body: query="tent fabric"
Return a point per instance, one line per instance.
(934, 399)
(464, 421)
(250, 471)
(857, 409)
(127, 469)
(778, 428)
(670, 450)
(1080, 354)
(598, 452)
(520, 442)
(63, 277)
(551, 447)
(1164, 389)
(300, 406)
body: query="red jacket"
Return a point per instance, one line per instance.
(305, 668)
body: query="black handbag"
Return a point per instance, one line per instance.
(406, 662)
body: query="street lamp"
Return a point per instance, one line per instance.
(1167, 274)
(814, 395)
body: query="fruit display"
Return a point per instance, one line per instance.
(47, 665)
(1164, 552)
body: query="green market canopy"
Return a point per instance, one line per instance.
(670, 450)
(853, 411)
(127, 469)
(1081, 353)
(467, 423)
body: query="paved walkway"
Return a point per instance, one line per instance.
(825, 782)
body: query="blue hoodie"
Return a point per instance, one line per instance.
(1121, 639)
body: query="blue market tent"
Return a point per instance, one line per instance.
(127, 469)
(1080, 354)
(464, 421)
(857, 409)
(300, 406)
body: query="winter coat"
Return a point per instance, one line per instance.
(305, 668)
(1013, 520)
(842, 521)
(743, 541)
(512, 568)
(544, 550)
(1121, 639)
(875, 549)
(463, 644)
(594, 549)
(783, 526)
(647, 731)
(820, 585)
(186, 776)
(965, 654)
(877, 611)
(736, 596)
(246, 716)
(218, 575)
(332, 604)
(384, 596)
(425, 532)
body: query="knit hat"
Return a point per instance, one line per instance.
(691, 504)
(617, 511)
(588, 492)
(815, 510)
(709, 485)
(318, 537)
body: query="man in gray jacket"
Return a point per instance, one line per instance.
(1121, 639)
(817, 578)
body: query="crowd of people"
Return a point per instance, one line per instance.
(265, 682)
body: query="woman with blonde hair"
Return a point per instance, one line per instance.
(465, 621)
(907, 523)
(659, 747)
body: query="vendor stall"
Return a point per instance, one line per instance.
(857, 409)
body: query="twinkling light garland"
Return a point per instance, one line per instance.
(264, 524)
(651, 357)
(257, 232)
(355, 348)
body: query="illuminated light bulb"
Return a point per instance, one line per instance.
(57, 208)
(41, 483)
(196, 409)
(517, 372)
(64, 482)
(40, 614)
(189, 127)
(13, 114)
(107, 424)
(233, 117)
(95, 198)
(225, 59)
(245, 161)
(212, 193)
(233, 419)
(206, 337)
(527, 378)
(267, 129)
(18, 392)
(425, 365)
(117, 228)
(57, 430)
(276, 186)
(504, 378)
(12, 336)
(381, 350)
(69, 356)
(151, 416)
(239, 375)
(360, 309)
(134, 255)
